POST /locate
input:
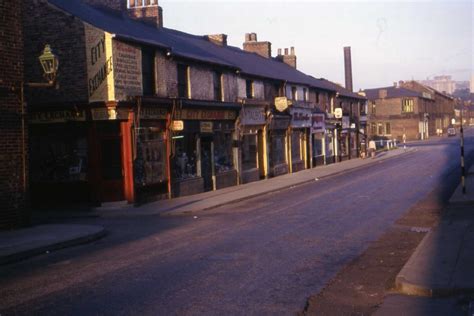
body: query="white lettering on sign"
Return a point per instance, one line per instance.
(127, 70)
(252, 116)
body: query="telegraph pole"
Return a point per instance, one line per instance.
(463, 170)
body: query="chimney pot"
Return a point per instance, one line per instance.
(279, 51)
(251, 44)
(286, 51)
(292, 51)
(247, 37)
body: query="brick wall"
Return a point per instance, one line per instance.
(43, 24)
(13, 198)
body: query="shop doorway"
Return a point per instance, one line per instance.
(111, 171)
(206, 162)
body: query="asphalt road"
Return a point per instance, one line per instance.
(262, 256)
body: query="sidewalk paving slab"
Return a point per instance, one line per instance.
(20, 244)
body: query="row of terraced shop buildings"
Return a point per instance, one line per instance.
(142, 112)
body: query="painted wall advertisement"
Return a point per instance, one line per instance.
(319, 123)
(127, 62)
(251, 115)
(100, 77)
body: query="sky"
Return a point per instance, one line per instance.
(390, 40)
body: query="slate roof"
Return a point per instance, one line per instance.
(392, 92)
(187, 45)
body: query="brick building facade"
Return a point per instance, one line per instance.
(143, 112)
(13, 131)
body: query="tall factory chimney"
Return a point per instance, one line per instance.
(348, 68)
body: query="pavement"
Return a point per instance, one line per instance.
(19, 244)
(188, 205)
(23, 243)
(438, 279)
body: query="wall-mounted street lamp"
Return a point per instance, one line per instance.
(50, 64)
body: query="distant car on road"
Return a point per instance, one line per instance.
(451, 131)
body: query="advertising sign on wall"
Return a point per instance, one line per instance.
(127, 62)
(252, 115)
(319, 123)
(300, 117)
(100, 70)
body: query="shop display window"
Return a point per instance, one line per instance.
(330, 142)
(318, 145)
(223, 160)
(296, 145)
(278, 149)
(249, 151)
(150, 163)
(185, 156)
(344, 140)
(58, 158)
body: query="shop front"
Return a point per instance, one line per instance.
(300, 126)
(278, 135)
(345, 139)
(318, 140)
(331, 137)
(150, 154)
(80, 157)
(202, 153)
(253, 143)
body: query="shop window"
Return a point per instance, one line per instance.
(318, 145)
(150, 162)
(296, 145)
(249, 151)
(407, 105)
(183, 81)
(185, 155)
(278, 149)
(218, 93)
(249, 89)
(58, 158)
(331, 144)
(305, 94)
(148, 71)
(388, 129)
(317, 97)
(223, 160)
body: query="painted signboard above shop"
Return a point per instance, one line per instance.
(56, 116)
(252, 115)
(191, 114)
(300, 117)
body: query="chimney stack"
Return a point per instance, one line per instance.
(251, 44)
(288, 58)
(348, 68)
(147, 11)
(218, 39)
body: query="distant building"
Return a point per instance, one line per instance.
(441, 83)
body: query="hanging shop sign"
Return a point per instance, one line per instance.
(109, 114)
(281, 103)
(252, 115)
(206, 127)
(192, 114)
(319, 123)
(346, 122)
(150, 113)
(338, 113)
(300, 117)
(56, 116)
(177, 126)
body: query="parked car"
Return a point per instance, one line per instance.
(451, 131)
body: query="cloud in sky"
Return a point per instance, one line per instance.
(390, 40)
